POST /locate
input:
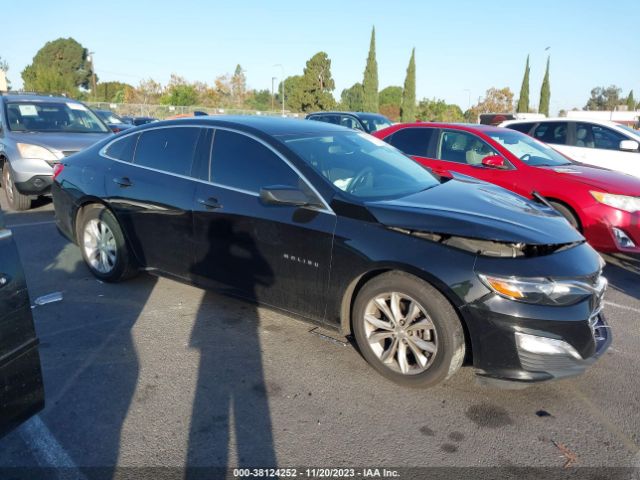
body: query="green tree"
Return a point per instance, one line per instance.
(545, 91)
(390, 99)
(259, 100)
(317, 84)
(238, 87)
(631, 103)
(108, 91)
(496, 100)
(408, 106)
(63, 58)
(391, 95)
(352, 98)
(523, 101)
(439, 111)
(604, 98)
(370, 82)
(293, 93)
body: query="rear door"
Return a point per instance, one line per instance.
(153, 194)
(557, 134)
(419, 143)
(21, 388)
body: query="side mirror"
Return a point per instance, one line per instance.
(629, 145)
(494, 161)
(284, 195)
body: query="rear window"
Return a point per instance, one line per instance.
(412, 141)
(123, 149)
(521, 127)
(551, 132)
(168, 149)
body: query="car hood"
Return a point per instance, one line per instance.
(600, 178)
(61, 141)
(469, 208)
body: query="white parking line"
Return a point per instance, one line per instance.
(33, 224)
(46, 449)
(622, 307)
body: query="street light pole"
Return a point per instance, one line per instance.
(93, 76)
(272, 95)
(469, 98)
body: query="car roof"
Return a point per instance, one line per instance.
(453, 126)
(273, 126)
(607, 123)
(37, 98)
(355, 114)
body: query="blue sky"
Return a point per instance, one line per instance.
(462, 47)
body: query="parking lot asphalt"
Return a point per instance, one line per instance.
(152, 372)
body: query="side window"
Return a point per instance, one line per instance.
(123, 149)
(412, 141)
(318, 118)
(521, 127)
(168, 149)
(606, 138)
(463, 147)
(551, 132)
(241, 162)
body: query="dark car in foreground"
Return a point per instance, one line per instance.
(364, 121)
(340, 228)
(602, 204)
(21, 388)
(36, 131)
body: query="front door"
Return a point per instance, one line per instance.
(273, 254)
(21, 388)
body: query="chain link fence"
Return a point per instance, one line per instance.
(162, 112)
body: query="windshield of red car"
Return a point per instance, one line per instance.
(527, 149)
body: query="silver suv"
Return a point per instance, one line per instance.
(36, 132)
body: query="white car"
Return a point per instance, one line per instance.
(594, 142)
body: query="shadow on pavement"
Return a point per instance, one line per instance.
(230, 404)
(623, 273)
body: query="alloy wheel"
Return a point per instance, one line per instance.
(100, 246)
(8, 184)
(400, 333)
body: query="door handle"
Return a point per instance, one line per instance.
(210, 203)
(123, 181)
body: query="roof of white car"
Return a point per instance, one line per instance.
(606, 123)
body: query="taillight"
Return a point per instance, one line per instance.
(57, 170)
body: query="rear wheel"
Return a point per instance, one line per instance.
(16, 200)
(567, 213)
(407, 330)
(104, 248)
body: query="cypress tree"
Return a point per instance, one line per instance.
(545, 92)
(370, 81)
(631, 102)
(408, 106)
(523, 101)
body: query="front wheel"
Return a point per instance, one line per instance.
(407, 330)
(16, 200)
(104, 248)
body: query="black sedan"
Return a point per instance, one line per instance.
(21, 389)
(340, 228)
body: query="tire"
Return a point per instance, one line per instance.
(16, 200)
(568, 214)
(103, 245)
(440, 342)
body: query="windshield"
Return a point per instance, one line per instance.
(527, 149)
(68, 117)
(373, 123)
(361, 165)
(109, 117)
(629, 129)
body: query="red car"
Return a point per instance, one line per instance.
(604, 205)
